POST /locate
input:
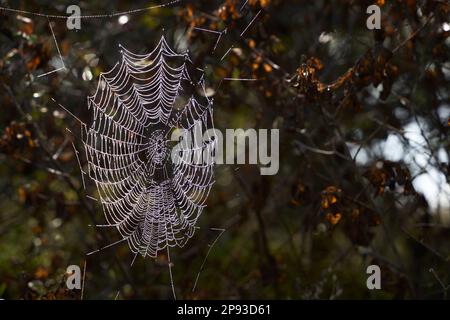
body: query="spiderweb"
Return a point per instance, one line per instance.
(153, 202)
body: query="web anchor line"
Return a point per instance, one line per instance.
(59, 53)
(251, 22)
(92, 16)
(210, 246)
(219, 33)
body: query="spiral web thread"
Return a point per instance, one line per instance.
(153, 202)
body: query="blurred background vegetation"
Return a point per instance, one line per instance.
(364, 168)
